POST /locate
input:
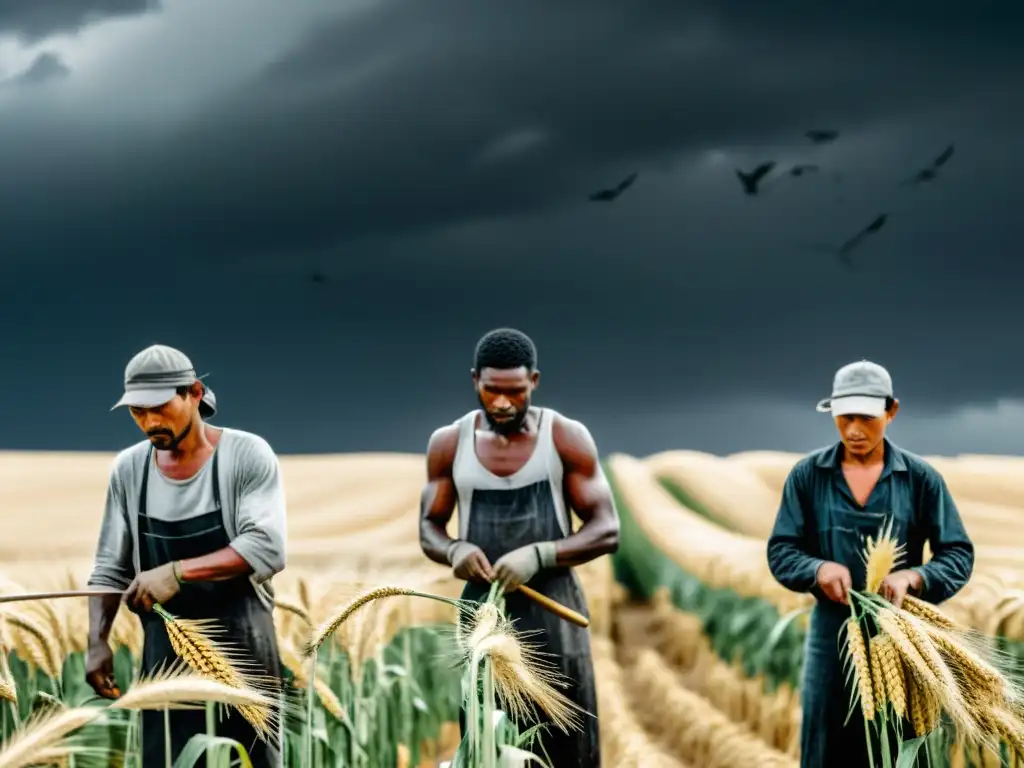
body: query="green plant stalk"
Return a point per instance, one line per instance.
(168, 762)
(405, 707)
(309, 710)
(884, 738)
(490, 750)
(428, 677)
(474, 715)
(211, 731)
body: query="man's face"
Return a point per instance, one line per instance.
(167, 425)
(861, 435)
(505, 396)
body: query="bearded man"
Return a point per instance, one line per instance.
(515, 471)
(195, 522)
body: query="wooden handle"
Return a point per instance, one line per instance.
(56, 595)
(555, 607)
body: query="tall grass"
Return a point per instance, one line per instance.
(338, 704)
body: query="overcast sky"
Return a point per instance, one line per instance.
(175, 172)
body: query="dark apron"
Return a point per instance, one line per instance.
(245, 622)
(824, 740)
(499, 522)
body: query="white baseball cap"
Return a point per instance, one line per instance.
(862, 388)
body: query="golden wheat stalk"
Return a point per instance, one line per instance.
(874, 654)
(881, 557)
(972, 671)
(483, 621)
(522, 679)
(179, 687)
(43, 736)
(293, 608)
(330, 625)
(893, 675)
(191, 641)
(8, 690)
(295, 664)
(927, 612)
(30, 639)
(918, 654)
(922, 705)
(857, 655)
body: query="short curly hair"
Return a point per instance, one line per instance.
(505, 349)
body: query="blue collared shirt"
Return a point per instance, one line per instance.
(819, 520)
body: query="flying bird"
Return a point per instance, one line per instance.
(802, 168)
(930, 171)
(846, 248)
(751, 180)
(607, 195)
(822, 135)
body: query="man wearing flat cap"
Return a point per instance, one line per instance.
(194, 521)
(832, 500)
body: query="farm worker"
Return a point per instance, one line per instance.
(832, 500)
(515, 470)
(194, 521)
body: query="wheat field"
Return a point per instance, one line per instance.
(677, 685)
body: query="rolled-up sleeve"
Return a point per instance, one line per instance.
(952, 550)
(790, 562)
(260, 522)
(113, 566)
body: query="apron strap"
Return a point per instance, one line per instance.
(145, 482)
(216, 477)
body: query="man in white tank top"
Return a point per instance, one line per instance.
(515, 471)
(194, 521)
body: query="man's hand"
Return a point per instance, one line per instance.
(157, 585)
(469, 563)
(834, 580)
(517, 567)
(99, 670)
(898, 584)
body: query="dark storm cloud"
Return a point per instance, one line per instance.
(432, 160)
(33, 20)
(410, 116)
(45, 67)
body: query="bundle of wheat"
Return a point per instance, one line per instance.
(914, 664)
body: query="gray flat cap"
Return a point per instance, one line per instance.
(153, 376)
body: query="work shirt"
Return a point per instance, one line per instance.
(819, 515)
(252, 500)
(819, 520)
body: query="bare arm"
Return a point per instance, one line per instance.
(438, 499)
(589, 495)
(113, 569)
(219, 565)
(102, 612)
